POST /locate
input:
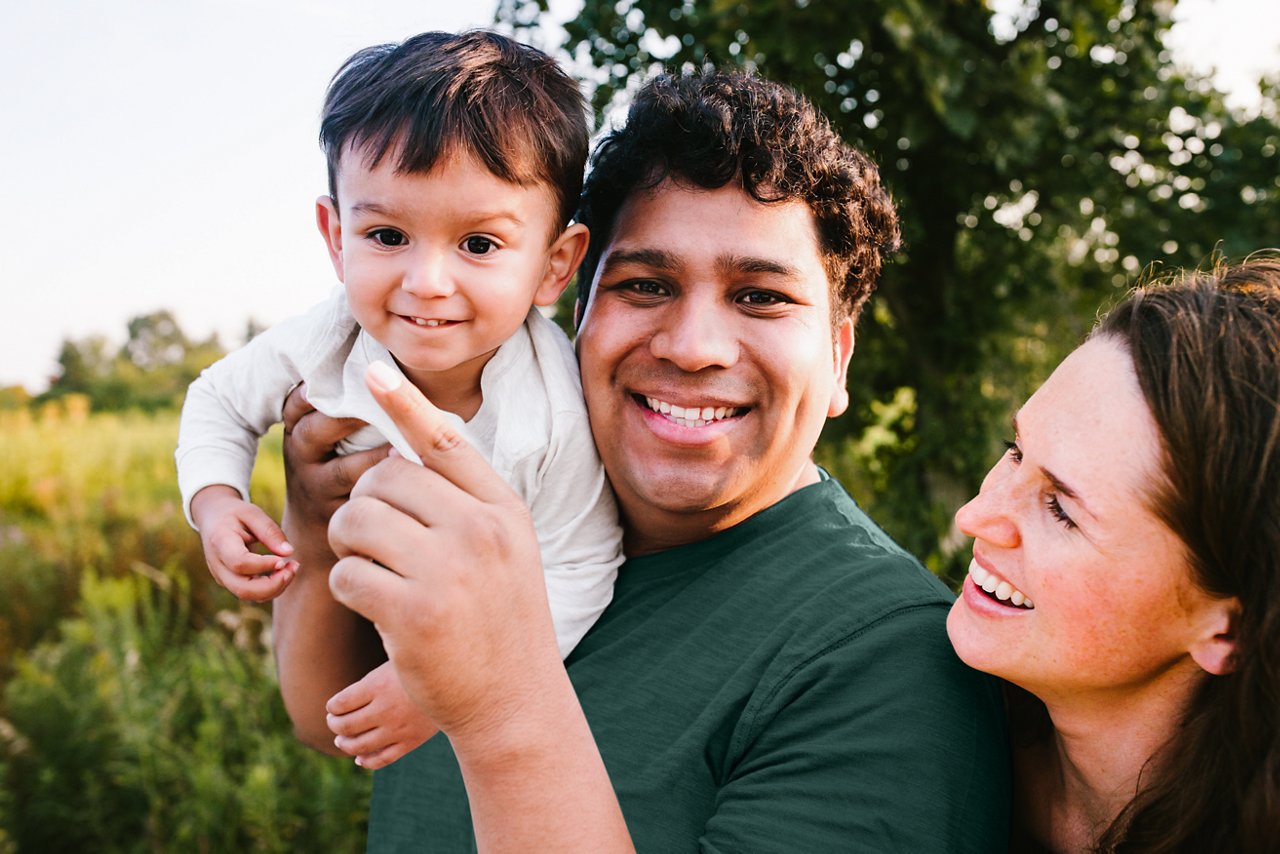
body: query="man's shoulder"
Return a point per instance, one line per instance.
(826, 537)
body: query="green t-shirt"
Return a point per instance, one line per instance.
(786, 685)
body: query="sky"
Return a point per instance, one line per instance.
(161, 154)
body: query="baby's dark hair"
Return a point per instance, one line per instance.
(714, 128)
(480, 93)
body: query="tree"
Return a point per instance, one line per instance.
(1040, 163)
(150, 371)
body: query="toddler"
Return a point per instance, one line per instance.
(455, 164)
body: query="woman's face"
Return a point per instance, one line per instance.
(1090, 591)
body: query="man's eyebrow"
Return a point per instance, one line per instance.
(729, 264)
(754, 265)
(657, 258)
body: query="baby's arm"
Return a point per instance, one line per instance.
(375, 721)
(228, 525)
(229, 406)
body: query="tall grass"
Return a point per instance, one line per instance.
(140, 711)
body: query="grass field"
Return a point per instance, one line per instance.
(139, 710)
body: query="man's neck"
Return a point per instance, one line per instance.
(652, 530)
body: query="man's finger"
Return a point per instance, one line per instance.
(296, 405)
(318, 434)
(366, 588)
(434, 437)
(345, 471)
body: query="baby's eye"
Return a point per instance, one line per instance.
(388, 237)
(478, 245)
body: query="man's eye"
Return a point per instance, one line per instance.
(478, 245)
(388, 237)
(761, 299)
(646, 287)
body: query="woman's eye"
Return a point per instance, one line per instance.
(477, 245)
(388, 237)
(1012, 451)
(1055, 510)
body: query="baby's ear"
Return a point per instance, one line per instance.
(331, 229)
(563, 259)
(1214, 650)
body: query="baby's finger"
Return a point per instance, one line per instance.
(384, 757)
(370, 742)
(350, 698)
(257, 588)
(265, 530)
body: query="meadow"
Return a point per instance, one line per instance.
(139, 709)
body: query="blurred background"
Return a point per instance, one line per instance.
(162, 171)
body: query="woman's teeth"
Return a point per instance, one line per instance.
(1002, 590)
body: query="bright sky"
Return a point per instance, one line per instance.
(162, 153)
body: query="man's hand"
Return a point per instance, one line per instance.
(443, 559)
(375, 721)
(317, 479)
(228, 526)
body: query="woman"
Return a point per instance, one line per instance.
(1126, 577)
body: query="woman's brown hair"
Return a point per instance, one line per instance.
(1206, 349)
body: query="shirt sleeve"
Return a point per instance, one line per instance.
(578, 531)
(882, 741)
(235, 401)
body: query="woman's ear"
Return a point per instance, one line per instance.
(1214, 650)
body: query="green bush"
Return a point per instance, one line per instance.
(131, 730)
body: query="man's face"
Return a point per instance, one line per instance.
(709, 362)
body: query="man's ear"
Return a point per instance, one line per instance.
(1215, 647)
(842, 352)
(331, 229)
(563, 259)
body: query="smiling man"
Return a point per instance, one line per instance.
(773, 673)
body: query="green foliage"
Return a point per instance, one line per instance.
(95, 491)
(1039, 169)
(150, 371)
(133, 731)
(140, 711)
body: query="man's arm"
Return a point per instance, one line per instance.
(321, 646)
(443, 559)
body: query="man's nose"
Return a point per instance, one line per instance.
(694, 335)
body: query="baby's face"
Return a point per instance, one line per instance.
(440, 267)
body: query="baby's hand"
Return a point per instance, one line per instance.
(375, 721)
(228, 526)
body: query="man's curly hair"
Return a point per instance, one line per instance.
(712, 128)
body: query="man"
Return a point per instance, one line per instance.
(773, 673)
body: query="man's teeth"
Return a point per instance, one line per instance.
(691, 416)
(423, 322)
(1002, 590)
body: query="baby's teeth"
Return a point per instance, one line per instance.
(990, 584)
(1003, 590)
(1017, 598)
